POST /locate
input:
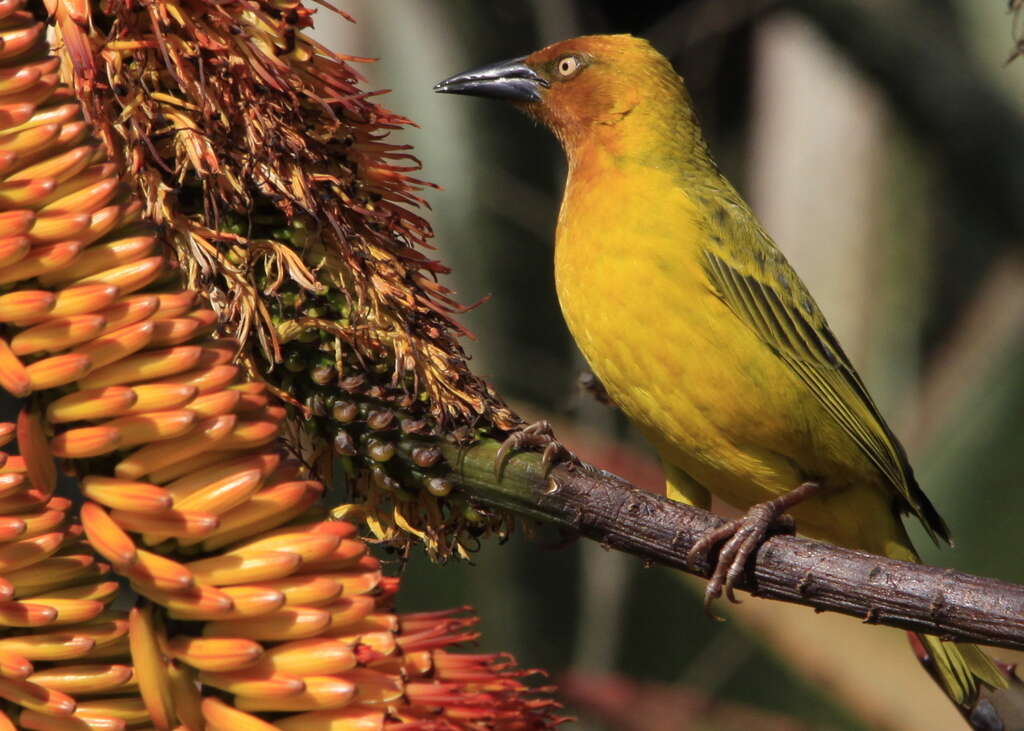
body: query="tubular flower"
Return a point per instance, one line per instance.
(254, 612)
(287, 204)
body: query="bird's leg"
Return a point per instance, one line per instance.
(537, 435)
(742, 537)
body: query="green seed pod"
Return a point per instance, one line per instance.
(426, 456)
(380, 420)
(345, 412)
(323, 375)
(380, 451)
(438, 486)
(413, 426)
(352, 383)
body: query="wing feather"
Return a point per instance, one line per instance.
(769, 298)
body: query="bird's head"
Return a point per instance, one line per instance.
(574, 85)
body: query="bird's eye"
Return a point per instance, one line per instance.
(567, 66)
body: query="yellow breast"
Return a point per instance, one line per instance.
(701, 385)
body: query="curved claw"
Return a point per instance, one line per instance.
(744, 536)
(534, 436)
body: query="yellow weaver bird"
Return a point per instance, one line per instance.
(699, 328)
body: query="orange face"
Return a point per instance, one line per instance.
(572, 85)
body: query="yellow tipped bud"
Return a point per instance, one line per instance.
(89, 198)
(181, 524)
(14, 377)
(53, 573)
(58, 334)
(131, 276)
(35, 452)
(49, 229)
(222, 717)
(146, 366)
(356, 581)
(14, 666)
(41, 521)
(151, 427)
(217, 403)
(48, 647)
(14, 556)
(253, 600)
(24, 304)
(34, 721)
(25, 193)
(121, 494)
(315, 656)
(187, 698)
(41, 260)
(89, 441)
(92, 175)
(175, 304)
(26, 614)
(220, 496)
(13, 249)
(130, 710)
(308, 546)
(91, 405)
(16, 223)
(60, 370)
(71, 611)
(33, 138)
(215, 654)
(251, 434)
(82, 299)
(160, 573)
(265, 510)
(101, 591)
(258, 681)
(36, 697)
(355, 718)
(200, 603)
(288, 623)
(161, 397)
(322, 692)
(308, 591)
(130, 310)
(207, 380)
(346, 555)
(79, 679)
(107, 537)
(153, 457)
(250, 568)
(118, 344)
(150, 667)
(62, 167)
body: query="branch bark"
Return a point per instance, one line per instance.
(606, 508)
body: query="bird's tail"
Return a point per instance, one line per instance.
(960, 667)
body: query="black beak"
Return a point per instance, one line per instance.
(510, 80)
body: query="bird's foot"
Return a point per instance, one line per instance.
(537, 435)
(743, 536)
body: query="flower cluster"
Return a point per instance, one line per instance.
(249, 608)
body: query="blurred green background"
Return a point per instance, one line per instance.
(881, 143)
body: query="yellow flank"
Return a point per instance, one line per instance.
(695, 323)
(716, 401)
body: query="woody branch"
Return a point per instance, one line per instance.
(606, 508)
